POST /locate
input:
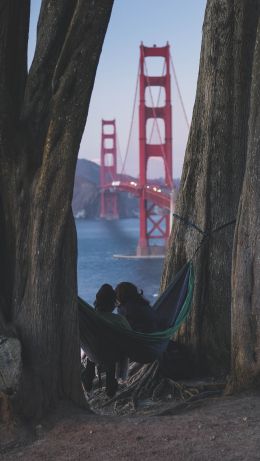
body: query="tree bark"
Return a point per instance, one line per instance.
(42, 118)
(212, 176)
(246, 254)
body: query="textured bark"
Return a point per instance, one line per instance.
(41, 123)
(213, 174)
(246, 257)
(10, 364)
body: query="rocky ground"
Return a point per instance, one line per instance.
(212, 428)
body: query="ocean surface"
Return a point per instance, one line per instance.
(98, 241)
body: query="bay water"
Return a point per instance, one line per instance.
(98, 242)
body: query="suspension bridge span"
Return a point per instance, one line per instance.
(155, 200)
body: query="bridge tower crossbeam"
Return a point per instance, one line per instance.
(108, 170)
(153, 226)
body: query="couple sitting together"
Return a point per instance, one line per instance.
(133, 312)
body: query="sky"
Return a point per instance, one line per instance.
(153, 22)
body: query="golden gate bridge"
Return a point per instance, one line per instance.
(156, 201)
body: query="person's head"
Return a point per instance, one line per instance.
(127, 291)
(105, 298)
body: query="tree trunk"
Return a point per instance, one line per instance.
(42, 118)
(212, 176)
(246, 255)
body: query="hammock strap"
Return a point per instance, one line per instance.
(188, 223)
(223, 225)
(206, 234)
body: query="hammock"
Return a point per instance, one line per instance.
(105, 342)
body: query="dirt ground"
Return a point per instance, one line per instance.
(226, 428)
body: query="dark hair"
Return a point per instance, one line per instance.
(127, 291)
(105, 299)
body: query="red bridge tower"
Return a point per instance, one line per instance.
(152, 225)
(108, 170)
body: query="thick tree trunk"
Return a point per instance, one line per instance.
(246, 256)
(213, 174)
(41, 123)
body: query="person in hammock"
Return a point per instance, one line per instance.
(105, 303)
(135, 308)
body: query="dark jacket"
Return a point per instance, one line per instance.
(140, 316)
(117, 319)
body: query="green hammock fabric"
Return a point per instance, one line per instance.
(105, 342)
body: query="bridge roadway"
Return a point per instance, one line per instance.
(152, 192)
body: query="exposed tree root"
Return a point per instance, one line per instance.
(148, 383)
(189, 404)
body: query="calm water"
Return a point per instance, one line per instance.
(98, 241)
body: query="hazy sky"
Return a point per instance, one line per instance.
(154, 22)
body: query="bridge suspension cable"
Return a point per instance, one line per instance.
(132, 121)
(119, 150)
(179, 93)
(155, 121)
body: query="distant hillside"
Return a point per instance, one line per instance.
(86, 196)
(88, 170)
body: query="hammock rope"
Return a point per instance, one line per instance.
(206, 234)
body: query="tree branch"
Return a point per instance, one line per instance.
(72, 84)
(54, 20)
(69, 39)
